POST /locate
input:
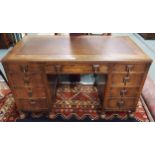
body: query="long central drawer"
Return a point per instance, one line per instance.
(76, 68)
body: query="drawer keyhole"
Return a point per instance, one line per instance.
(123, 92)
(126, 79)
(96, 68)
(24, 68)
(58, 68)
(30, 93)
(120, 103)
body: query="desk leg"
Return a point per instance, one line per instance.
(22, 115)
(51, 115)
(103, 115)
(131, 114)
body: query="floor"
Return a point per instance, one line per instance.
(148, 47)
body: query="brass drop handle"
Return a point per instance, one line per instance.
(24, 68)
(126, 79)
(129, 68)
(58, 68)
(123, 92)
(96, 68)
(120, 103)
(32, 102)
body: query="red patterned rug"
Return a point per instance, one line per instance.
(81, 101)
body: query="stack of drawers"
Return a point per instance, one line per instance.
(124, 87)
(28, 86)
(34, 84)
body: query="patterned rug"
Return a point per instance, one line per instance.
(73, 103)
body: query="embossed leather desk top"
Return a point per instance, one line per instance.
(85, 48)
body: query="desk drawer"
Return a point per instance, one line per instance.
(24, 67)
(124, 92)
(30, 93)
(32, 105)
(32, 80)
(132, 68)
(76, 68)
(120, 104)
(122, 80)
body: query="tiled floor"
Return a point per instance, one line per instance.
(148, 47)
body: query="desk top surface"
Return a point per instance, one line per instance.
(83, 48)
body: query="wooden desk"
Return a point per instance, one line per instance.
(32, 60)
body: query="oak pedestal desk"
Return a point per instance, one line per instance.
(29, 63)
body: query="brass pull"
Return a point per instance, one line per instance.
(123, 92)
(32, 102)
(129, 68)
(24, 68)
(58, 68)
(126, 79)
(96, 68)
(120, 103)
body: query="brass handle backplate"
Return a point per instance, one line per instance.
(129, 68)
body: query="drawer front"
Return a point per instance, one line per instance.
(120, 104)
(24, 67)
(32, 105)
(132, 68)
(127, 80)
(124, 92)
(77, 68)
(30, 93)
(33, 80)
